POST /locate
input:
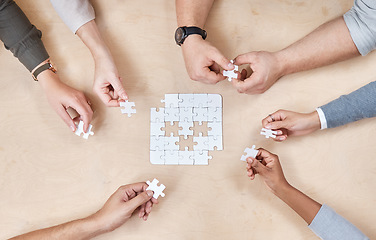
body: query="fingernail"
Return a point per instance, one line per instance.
(249, 160)
(124, 96)
(230, 65)
(268, 126)
(150, 193)
(72, 127)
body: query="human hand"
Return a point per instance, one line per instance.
(107, 83)
(121, 205)
(266, 70)
(267, 165)
(288, 123)
(203, 61)
(61, 97)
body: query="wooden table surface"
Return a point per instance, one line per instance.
(49, 176)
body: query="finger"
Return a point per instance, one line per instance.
(141, 212)
(248, 85)
(259, 167)
(62, 112)
(246, 58)
(212, 77)
(139, 200)
(85, 112)
(277, 125)
(221, 60)
(118, 88)
(265, 155)
(108, 100)
(215, 68)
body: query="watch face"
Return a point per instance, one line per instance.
(179, 35)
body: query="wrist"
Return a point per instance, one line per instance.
(192, 40)
(47, 78)
(314, 120)
(282, 189)
(283, 62)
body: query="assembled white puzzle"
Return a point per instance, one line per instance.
(80, 130)
(158, 190)
(197, 121)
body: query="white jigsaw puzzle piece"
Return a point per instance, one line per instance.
(186, 157)
(157, 157)
(201, 157)
(80, 129)
(157, 143)
(249, 152)
(230, 74)
(215, 128)
(171, 157)
(186, 100)
(215, 100)
(215, 141)
(156, 129)
(185, 131)
(186, 114)
(170, 143)
(200, 100)
(157, 116)
(202, 143)
(200, 114)
(214, 115)
(171, 100)
(268, 133)
(158, 190)
(171, 115)
(128, 108)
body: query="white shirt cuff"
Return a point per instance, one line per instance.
(323, 122)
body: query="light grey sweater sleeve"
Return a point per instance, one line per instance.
(74, 13)
(352, 107)
(328, 225)
(361, 22)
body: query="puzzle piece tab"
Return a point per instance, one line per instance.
(80, 129)
(158, 190)
(129, 108)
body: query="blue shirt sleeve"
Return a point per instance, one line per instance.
(328, 225)
(361, 22)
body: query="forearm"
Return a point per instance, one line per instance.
(91, 37)
(329, 43)
(20, 36)
(193, 13)
(81, 229)
(303, 205)
(357, 105)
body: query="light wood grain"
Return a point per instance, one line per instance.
(49, 175)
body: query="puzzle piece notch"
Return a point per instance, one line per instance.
(214, 114)
(268, 133)
(200, 100)
(170, 143)
(156, 129)
(157, 116)
(215, 142)
(215, 128)
(129, 108)
(200, 114)
(185, 128)
(186, 100)
(186, 114)
(171, 115)
(80, 129)
(230, 74)
(158, 190)
(249, 152)
(157, 143)
(186, 157)
(171, 101)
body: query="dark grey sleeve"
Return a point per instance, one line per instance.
(19, 36)
(352, 107)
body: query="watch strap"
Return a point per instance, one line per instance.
(195, 30)
(41, 68)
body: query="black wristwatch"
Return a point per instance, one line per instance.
(46, 66)
(182, 33)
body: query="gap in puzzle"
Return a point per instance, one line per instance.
(186, 129)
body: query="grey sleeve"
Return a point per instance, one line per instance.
(74, 13)
(328, 225)
(352, 107)
(21, 37)
(361, 22)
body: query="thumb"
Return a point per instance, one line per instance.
(119, 89)
(140, 199)
(222, 60)
(259, 167)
